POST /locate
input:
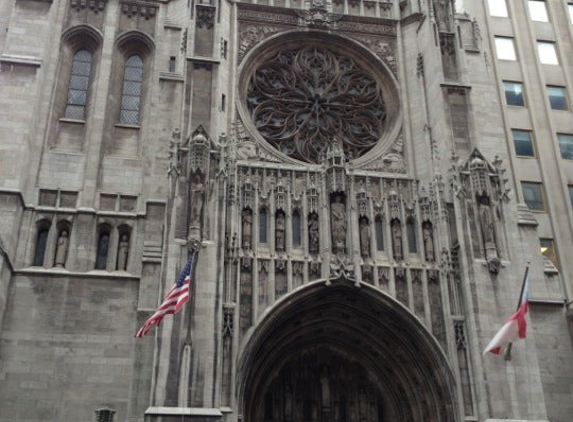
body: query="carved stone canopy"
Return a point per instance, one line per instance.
(305, 95)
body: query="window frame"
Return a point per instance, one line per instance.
(530, 140)
(123, 108)
(74, 78)
(131, 43)
(552, 248)
(540, 197)
(560, 137)
(561, 89)
(494, 6)
(522, 93)
(554, 60)
(501, 50)
(534, 11)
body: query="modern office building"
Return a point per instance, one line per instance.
(362, 184)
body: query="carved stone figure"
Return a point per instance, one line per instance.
(325, 388)
(313, 234)
(364, 238)
(247, 228)
(62, 249)
(197, 200)
(122, 251)
(338, 222)
(280, 232)
(397, 239)
(428, 239)
(486, 219)
(288, 403)
(441, 14)
(363, 405)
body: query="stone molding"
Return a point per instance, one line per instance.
(188, 411)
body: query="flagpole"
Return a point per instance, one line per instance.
(508, 350)
(193, 248)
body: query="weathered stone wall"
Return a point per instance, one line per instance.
(66, 347)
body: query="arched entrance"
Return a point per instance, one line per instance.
(345, 354)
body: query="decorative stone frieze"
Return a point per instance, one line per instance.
(132, 9)
(96, 6)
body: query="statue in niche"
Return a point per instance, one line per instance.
(122, 251)
(338, 222)
(488, 232)
(197, 200)
(441, 14)
(363, 405)
(325, 388)
(486, 218)
(397, 239)
(247, 226)
(364, 238)
(280, 232)
(428, 239)
(313, 233)
(62, 249)
(288, 403)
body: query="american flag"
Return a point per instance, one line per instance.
(175, 299)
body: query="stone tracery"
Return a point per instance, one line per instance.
(302, 99)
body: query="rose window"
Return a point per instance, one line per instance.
(303, 101)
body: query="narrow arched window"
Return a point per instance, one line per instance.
(131, 92)
(78, 86)
(263, 218)
(411, 233)
(102, 249)
(296, 228)
(41, 242)
(379, 232)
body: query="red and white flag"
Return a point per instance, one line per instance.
(175, 298)
(515, 327)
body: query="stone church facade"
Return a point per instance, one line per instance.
(342, 168)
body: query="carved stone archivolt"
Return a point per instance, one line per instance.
(304, 100)
(253, 34)
(383, 48)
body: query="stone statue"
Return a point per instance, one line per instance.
(397, 239)
(122, 251)
(62, 249)
(364, 238)
(280, 232)
(247, 228)
(441, 14)
(363, 405)
(338, 224)
(288, 403)
(313, 233)
(428, 241)
(325, 388)
(197, 200)
(486, 219)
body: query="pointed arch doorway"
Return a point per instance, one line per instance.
(339, 353)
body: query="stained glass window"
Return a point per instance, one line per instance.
(78, 86)
(131, 92)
